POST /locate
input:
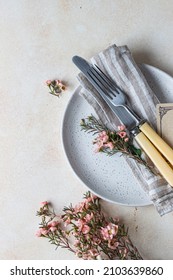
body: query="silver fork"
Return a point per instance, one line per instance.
(114, 97)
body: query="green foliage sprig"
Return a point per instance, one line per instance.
(113, 142)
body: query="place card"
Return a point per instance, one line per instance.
(164, 114)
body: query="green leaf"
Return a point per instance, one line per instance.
(135, 151)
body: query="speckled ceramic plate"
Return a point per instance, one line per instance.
(108, 177)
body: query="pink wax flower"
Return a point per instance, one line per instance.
(112, 244)
(76, 243)
(38, 233)
(96, 240)
(121, 127)
(93, 252)
(53, 224)
(44, 231)
(48, 82)
(83, 227)
(79, 207)
(52, 229)
(67, 222)
(80, 223)
(103, 141)
(109, 231)
(44, 203)
(103, 136)
(60, 84)
(90, 199)
(122, 134)
(89, 217)
(109, 145)
(41, 231)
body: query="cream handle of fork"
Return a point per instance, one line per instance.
(158, 142)
(162, 165)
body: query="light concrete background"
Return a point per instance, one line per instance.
(37, 42)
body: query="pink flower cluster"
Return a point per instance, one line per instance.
(107, 140)
(85, 231)
(56, 82)
(122, 133)
(102, 141)
(109, 233)
(51, 226)
(55, 86)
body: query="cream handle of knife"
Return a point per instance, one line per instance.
(158, 142)
(163, 167)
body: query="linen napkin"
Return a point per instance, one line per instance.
(118, 63)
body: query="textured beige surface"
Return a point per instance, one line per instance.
(37, 42)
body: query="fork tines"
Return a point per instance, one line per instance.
(102, 81)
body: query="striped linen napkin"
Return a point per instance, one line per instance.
(118, 63)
